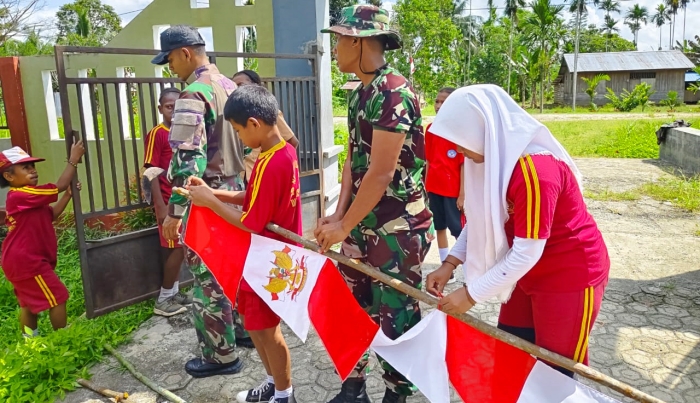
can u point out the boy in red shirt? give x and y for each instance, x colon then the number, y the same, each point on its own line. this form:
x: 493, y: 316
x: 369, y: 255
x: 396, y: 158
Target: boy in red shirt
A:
x: 29, y: 250
x: 158, y: 154
x: 444, y: 183
x: 273, y: 196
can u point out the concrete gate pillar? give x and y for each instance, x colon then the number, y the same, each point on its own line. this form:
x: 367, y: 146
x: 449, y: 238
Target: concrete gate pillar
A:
x: 297, y: 29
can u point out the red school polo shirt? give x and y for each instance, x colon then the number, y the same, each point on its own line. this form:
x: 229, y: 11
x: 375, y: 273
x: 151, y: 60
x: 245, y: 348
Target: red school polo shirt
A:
x: 159, y: 154
x: 444, y: 165
x: 273, y: 194
x: 30, y: 246
x: 545, y: 202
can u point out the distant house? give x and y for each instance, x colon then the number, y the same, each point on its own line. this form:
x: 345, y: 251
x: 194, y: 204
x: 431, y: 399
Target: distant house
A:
x: 663, y: 70
x: 691, y: 78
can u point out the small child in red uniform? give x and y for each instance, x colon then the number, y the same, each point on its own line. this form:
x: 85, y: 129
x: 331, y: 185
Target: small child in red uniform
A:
x: 158, y: 154
x: 272, y: 196
x: 29, y: 250
x: 444, y: 183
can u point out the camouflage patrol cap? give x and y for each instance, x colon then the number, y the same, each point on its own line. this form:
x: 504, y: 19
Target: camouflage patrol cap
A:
x: 365, y: 21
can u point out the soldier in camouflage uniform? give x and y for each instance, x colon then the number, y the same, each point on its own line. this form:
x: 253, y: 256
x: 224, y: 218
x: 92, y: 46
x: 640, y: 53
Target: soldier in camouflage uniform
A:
x: 381, y: 216
x: 206, y: 146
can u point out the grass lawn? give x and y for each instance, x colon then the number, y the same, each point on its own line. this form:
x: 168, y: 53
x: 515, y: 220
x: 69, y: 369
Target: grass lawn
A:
x: 43, y: 368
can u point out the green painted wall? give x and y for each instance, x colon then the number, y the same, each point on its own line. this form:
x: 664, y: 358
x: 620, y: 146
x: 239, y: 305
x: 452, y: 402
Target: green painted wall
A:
x: 223, y: 16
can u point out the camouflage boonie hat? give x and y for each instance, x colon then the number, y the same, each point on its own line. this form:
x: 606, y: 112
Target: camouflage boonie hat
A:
x: 365, y: 21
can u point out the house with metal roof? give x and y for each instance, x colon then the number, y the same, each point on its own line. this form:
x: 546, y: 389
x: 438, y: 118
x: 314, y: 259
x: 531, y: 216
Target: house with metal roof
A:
x: 663, y: 70
x: 691, y: 78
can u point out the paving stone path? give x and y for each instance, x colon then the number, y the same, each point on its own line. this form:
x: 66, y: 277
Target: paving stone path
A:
x: 647, y: 334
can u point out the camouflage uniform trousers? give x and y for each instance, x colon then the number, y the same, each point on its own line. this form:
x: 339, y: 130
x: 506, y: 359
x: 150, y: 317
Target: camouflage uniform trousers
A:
x: 215, y: 321
x: 399, y: 255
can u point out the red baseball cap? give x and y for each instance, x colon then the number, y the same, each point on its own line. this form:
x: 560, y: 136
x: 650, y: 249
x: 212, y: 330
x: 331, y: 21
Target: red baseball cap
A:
x: 14, y: 156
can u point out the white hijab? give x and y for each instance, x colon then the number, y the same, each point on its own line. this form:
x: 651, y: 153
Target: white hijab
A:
x: 486, y: 120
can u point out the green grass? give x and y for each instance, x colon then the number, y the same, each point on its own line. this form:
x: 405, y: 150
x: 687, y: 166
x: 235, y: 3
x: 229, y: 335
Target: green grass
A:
x: 608, y: 195
x: 43, y: 368
x: 584, y: 109
x: 340, y: 132
x: 682, y: 192
x: 608, y: 138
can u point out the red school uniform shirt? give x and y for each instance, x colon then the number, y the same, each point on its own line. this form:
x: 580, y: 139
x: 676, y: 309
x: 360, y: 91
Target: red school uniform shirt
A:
x: 273, y: 194
x: 159, y: 154
x: 545, y: 202
x: 444, y: 165
x: 30, y: 246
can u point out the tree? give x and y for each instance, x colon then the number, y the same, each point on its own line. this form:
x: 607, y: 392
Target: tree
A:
x: 377, y: 3
x: 541, y: 31
x: 577, y: 7
x: 14, y: 17
x: 634, y: 18
x: 610, y: 25
x: 511, y: 11
x: 33, y: 45
x: 593, y: 40
x: 592, y: 86
x: 101, y: 20
x: 684, y: 5
x: 672, y: 6
x: 660, y: 18
x: 335, y: 7
x: 431, y: 38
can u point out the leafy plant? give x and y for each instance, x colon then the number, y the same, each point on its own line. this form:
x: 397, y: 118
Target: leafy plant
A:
x: 671, y: 102
x: 627, y: 100
x: 141, y: 218
x: 592, y: 88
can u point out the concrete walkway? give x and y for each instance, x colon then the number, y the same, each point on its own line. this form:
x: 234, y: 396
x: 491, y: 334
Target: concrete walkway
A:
x: 647, y: 334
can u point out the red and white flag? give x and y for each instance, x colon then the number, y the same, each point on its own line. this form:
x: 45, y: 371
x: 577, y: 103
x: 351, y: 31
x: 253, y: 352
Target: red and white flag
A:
x: 305, y: 288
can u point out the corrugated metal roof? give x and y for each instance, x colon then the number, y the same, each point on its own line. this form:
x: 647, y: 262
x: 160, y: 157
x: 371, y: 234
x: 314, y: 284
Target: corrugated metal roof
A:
x: 692, y: 77
x: 629, y: 61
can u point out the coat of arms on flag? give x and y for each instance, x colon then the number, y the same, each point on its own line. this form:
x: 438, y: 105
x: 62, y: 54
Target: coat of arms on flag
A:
x: 288, y: 277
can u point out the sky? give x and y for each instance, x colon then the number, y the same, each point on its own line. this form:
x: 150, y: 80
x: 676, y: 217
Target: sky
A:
x: 648, y: 35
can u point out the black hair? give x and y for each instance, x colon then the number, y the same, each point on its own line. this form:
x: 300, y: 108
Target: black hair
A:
x: 4, y: 182
x: 254, y: 77
x: 198, y: 50
x: 447, y: 90
x: 165, y: 92
x: 251, y: 101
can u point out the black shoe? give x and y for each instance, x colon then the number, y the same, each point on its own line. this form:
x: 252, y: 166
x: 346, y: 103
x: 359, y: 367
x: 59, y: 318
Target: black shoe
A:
x: 352, y: 391
x: 392, y: 397
x: 289, y: 399
x: 245, y: 342
x: 262, y: 393
x: 200, y: 369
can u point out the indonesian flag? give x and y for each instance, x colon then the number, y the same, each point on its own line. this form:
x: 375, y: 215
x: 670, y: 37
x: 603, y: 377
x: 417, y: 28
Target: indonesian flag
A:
x: 305, y: 288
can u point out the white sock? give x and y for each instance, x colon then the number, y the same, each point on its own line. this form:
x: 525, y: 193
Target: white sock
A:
x: 444, y: 252
x: 281, y: 394
x: 270, y: 380
x: 176, y: 287
x: 165, y: 294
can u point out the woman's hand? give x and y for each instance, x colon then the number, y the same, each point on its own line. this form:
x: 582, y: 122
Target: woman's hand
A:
x: 435, y: 282
x: 457, y: 302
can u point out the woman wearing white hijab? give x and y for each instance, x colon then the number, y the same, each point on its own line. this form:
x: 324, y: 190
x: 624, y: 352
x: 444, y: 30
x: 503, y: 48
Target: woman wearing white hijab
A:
x: 529, y: 239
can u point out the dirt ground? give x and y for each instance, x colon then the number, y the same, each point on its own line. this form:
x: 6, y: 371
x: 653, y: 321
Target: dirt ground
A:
x: 647, y: 333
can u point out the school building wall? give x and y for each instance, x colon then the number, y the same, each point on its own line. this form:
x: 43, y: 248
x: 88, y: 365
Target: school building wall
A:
x: 294, y: 26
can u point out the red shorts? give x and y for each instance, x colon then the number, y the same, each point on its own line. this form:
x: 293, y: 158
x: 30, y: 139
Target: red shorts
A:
x: 256, y: 314
x: 166, y: 243
x: 562, y: 321
x: 40, y: 292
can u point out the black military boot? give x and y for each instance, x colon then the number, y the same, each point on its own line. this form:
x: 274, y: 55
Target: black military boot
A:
x: 352, y: 391
x: 392, y: 397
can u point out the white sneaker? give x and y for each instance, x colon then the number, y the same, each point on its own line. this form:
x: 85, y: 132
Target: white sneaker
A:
x: 263, y: 393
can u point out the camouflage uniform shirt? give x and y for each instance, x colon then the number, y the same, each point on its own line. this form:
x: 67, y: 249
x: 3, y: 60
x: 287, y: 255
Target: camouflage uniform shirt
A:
x: 202, y: 157
x: 389, y: 104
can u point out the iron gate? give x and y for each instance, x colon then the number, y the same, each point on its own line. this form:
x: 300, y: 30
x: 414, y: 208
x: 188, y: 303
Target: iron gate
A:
x: 113, y: 115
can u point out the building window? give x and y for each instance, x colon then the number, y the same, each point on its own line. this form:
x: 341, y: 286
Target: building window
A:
x: 642, y: 75
x: 199, y: 3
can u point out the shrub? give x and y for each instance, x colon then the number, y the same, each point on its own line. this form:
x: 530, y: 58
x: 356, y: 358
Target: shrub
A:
x: 671, y: 102
x: 591, y: 90
x: 627, y: 100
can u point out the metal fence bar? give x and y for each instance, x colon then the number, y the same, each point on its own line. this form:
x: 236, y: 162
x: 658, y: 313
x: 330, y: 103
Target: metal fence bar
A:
x: 153, y: 52
x: 154, y: 113
x: 134, y: 142
x: 83, y: 131
x: 307, y: 113
x: 122, y: 143
x: 110, y: 143
x: 98, y: 144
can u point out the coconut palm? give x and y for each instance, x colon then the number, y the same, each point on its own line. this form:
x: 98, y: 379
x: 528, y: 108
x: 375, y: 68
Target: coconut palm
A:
x: 635, y: 17
x: 610, y: 6
x: 577, y: 7
x: 542, y: 29
x: 660, y: 18
x: 511, y: 11
x: 672, y: 6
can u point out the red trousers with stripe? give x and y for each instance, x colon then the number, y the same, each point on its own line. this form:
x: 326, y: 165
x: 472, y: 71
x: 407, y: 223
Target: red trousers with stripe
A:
x: 558, y: 322
x: 41, y: 292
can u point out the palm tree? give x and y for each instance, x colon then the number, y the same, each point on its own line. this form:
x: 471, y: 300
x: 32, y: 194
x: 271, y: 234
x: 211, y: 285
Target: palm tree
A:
x: 660, y: 18
x: 83, y: 26
x: 672, y: 6
x: 541, y: 32
x: 634, y: 18
x: 577, y: 7
x: 610, y: 6
x: 684, y: 5
x: 511, y: 11
x: 610, y: 26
